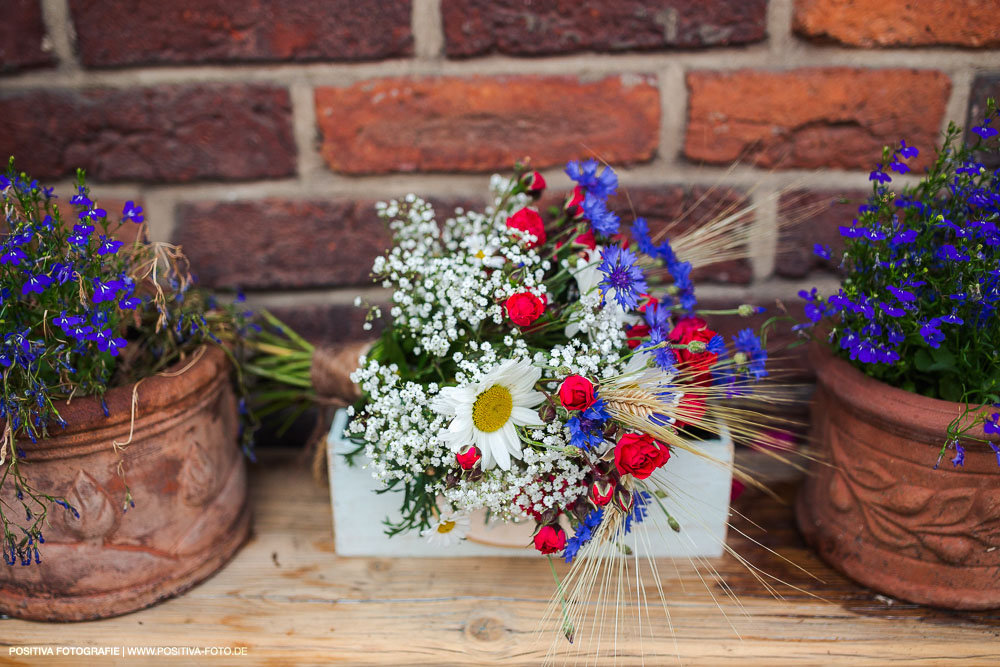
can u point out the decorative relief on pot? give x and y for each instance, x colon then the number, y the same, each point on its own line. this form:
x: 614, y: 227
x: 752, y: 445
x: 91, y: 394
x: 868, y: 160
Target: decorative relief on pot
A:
x: 948, y: 524
x: 199, y: 477
x: 97, y: 515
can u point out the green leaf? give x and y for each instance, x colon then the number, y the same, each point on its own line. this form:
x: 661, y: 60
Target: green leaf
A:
x: 950, y: 388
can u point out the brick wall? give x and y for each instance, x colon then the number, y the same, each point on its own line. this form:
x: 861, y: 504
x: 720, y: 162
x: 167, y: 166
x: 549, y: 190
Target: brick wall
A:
x: 259, y: 133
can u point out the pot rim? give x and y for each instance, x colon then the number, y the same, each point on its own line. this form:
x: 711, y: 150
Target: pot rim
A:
x: 894, y: 405
x: 188, y: 377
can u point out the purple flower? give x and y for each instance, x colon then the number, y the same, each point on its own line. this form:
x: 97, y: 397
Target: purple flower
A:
x: 880, y: 176
x: 80, y: 199
x: 959, y: 459
x: 901, y: 294
x: 36, y: 284
x: 747, y: 343
x: 602, y: 221
x: 905, y: 236
x: 601, y: 185
x: 931, y: 334
x: 93, y: 213
x: 640, y: 232
x: 992, y: 424
x: 13, y: 256
x: 899, y: 167
x: 950, y: 253
x: 106, y: 291
x: 65, y: 321
x: 109, y: 246
x: 113, y: 346
x: 822, y: 250
x: 622, y: 275
x: 985, y: 131
x: 132, y: 212
x: 907, y: 151
x: 130, y: 303
x: 664, y: 355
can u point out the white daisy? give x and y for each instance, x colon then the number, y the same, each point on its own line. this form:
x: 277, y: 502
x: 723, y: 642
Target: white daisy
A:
x: 450, y: 529
x: 486, y: 412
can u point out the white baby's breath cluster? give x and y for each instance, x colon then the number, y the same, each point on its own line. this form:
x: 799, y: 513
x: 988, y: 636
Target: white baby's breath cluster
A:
x: 450, y: 280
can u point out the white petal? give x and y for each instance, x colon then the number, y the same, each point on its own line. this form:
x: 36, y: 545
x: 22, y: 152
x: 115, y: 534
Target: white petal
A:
x: 499, y: 447
x: 524, y: 416
x: 511, y: 441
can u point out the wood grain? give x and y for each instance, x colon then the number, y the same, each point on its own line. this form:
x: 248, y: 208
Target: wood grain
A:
x: 289, y: 599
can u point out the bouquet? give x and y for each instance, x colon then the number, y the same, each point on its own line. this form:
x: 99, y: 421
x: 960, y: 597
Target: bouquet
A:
x: 917, y: 306
x: 87, y: 303
x: 546, y: 369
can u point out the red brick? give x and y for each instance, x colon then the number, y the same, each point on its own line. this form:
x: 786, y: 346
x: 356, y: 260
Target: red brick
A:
x: 284, y: 243
x: 22, y: 37
x: 527, y: 28
x: 868, y: 23
x: 690, y: 207
x: 825, y: 117
x: 200, y: 31
x: 485, y: 123
x: 163, y: 134
x: 813, y: 217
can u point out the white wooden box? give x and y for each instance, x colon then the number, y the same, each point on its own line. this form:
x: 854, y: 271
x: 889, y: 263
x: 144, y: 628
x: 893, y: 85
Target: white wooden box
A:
x: 699, y: 502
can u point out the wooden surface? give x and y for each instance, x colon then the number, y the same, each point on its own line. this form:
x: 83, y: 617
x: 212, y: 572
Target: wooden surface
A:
x: 289, y: 599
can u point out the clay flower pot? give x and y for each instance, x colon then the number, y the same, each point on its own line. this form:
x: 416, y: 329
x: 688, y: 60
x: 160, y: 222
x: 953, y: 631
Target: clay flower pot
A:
x: 881, y: 513
x: 187, y: 476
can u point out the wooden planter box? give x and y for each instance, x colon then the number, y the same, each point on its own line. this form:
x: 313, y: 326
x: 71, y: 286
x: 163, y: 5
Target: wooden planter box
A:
x: 700, y: 505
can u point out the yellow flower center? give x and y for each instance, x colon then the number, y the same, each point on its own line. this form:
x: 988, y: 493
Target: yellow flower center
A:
x: 480, y: 254
x: 446, y: 527
x: 492, y: 409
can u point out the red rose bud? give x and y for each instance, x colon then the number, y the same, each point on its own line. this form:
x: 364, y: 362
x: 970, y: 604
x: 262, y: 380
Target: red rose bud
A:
x: 586, y: 239
x: 523, y: 308
x: 634, y: 335
x: 468, y: 458
x: 576, y: 393
x: 550, y: 539
x: 602, y: 492
x: 638, y: 454
x: 529, y: 221
x: 624, y: 500
x: 533, y: 182
x: 572, y: 205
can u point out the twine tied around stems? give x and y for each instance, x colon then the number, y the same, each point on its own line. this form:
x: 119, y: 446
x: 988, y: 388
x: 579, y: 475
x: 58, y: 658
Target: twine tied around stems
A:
x: 330, y: 375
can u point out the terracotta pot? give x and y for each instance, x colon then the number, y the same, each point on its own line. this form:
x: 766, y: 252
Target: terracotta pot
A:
x: 881, y: 513
x: 188, y: 478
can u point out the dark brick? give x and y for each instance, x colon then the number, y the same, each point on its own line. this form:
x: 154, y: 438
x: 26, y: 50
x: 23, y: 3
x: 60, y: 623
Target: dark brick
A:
x: 983, y: 87
x: 808, y: 218
x: 837, y: 117
x: 689, y: 207
x: 22, y: 36
x: 162, y: 134
x: 531, y: 28
x: 201, y: 31
x: 484, y: 123
x: 333, y: 323
x: 284, y: 243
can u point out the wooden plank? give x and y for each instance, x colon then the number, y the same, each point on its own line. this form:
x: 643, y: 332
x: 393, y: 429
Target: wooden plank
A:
x: 288, y: 598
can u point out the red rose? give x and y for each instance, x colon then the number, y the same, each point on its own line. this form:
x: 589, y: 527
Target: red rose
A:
x: 550, y: 539
x: 468, y: 457
x: 523, y: 308
x: 586, y: 239
x: 573, y: 202
x: 634, y: 335
x: 576, y: 393
x: 637, y: 454
x: 691, y: 409
x: 687, y: 330
x: 533, y: 182
x: 529, y: 221
x: 602, y: 493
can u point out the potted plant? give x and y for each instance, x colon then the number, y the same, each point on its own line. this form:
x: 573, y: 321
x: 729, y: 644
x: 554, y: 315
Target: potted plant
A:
x: 908, y: 397
x: 121, y: 477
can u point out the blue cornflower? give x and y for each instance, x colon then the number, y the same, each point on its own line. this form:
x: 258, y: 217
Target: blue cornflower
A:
x: 36, y: 284
x: 622, y: 275
x: 602, y: 221
x: 684, y: 286
x: 109, y: 246
x: 602, y: 185
x: 587, y: 429
x: 584, y: 533
x: 132, y: 212
x: 13, y: 256
x: 749, y: 344
x: 663, y: 355
x: 640, y: 502
x: 822, y: 250
x: 640, y: 232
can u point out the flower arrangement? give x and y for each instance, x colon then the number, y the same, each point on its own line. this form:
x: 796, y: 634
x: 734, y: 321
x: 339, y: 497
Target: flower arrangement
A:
x: 87, y: 303
x: 545, y: 368
x: 918, y: 304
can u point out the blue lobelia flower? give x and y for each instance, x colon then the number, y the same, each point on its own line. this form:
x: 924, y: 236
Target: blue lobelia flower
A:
x: 13, y: 256
x: 109, y: 246
x: 931, y: 334
x: 907, y: 151
x: 132, y: 212
x: 959, y: 459
x: 948, y: 252
x: 879, y: 175
x: 822, y: 250
x: 623, y: 275
x: 106, y: 291
x: 35, y: 284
